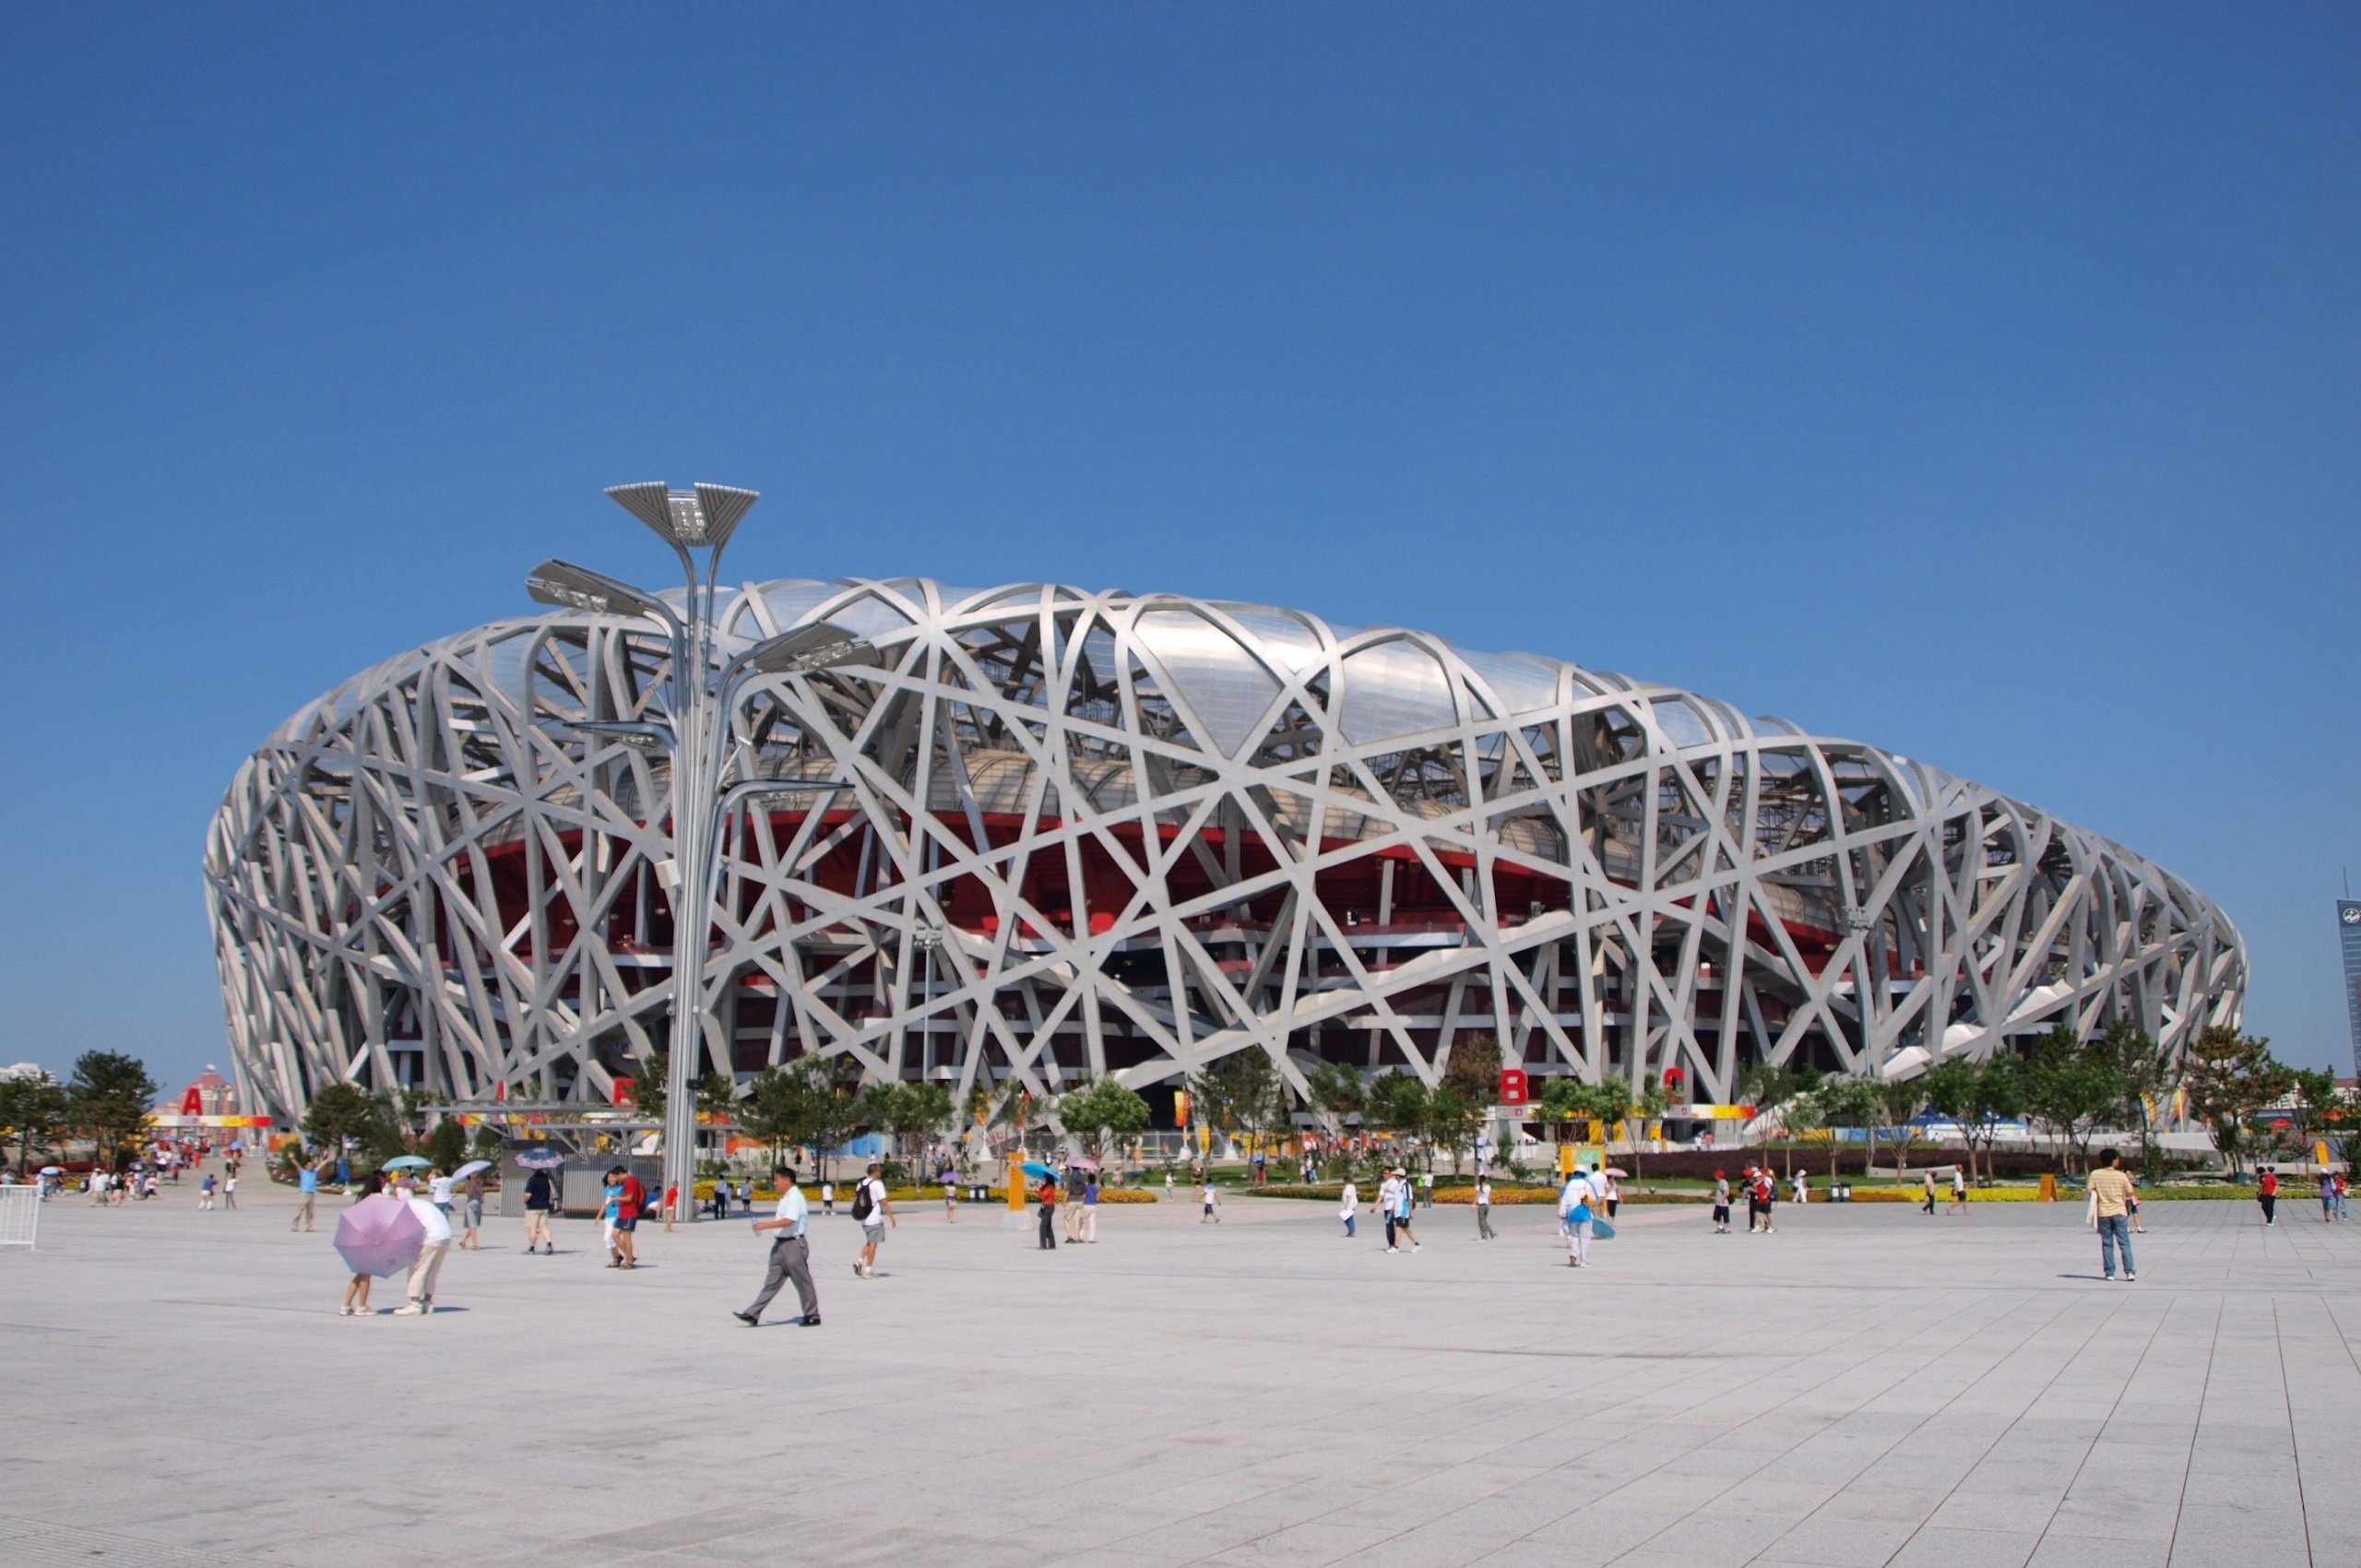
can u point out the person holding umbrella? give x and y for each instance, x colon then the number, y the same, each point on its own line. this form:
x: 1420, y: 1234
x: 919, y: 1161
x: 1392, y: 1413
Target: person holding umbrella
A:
x: 428, y: 1266
x: 356, y: 1240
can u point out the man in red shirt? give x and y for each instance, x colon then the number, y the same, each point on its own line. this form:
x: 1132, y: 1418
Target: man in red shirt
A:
x: 628, y: 1212
x: 2266, y: 1194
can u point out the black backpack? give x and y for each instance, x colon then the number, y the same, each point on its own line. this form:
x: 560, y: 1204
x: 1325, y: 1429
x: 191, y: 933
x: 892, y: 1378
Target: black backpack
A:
x: 863, y: 1202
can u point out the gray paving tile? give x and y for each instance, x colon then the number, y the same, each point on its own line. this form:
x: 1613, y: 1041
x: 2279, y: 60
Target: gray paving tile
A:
x: 1854, y: 1391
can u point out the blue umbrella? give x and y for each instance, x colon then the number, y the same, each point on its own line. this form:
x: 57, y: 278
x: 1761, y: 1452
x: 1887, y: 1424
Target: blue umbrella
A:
x: 541, y: 1159
x: 407, y: 1162
x: 1035, y: 1168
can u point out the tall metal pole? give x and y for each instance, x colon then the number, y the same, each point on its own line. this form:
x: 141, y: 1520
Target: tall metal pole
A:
x: 698, y: 736
x: 691, y: 893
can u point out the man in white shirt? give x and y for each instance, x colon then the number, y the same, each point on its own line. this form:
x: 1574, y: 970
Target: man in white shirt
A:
x: 429, y: 1266
x: 790, y: 1255
x: 871, y: 1206
x: 1578, y: 1202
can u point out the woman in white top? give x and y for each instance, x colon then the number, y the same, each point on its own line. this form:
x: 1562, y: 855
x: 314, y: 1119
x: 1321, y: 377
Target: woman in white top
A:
x: 1352, y: 1201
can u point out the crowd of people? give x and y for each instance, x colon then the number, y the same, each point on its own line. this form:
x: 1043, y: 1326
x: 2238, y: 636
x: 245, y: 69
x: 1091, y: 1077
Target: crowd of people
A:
x: 450, y: 1213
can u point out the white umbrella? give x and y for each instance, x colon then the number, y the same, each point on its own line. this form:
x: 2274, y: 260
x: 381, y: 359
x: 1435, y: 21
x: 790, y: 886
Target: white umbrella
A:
x: 469, y: 1169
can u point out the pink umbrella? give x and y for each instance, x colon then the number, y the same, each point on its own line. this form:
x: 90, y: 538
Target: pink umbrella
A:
x: 379, y: 1235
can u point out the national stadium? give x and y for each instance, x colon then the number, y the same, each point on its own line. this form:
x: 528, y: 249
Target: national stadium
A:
x: 1052, y: 834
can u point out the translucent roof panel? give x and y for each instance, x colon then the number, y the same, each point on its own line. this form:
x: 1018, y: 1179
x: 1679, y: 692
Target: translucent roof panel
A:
x: 1225, y: 687
x: 1522, y: 682
x: 1284, y: 639
x: 1392, y: 689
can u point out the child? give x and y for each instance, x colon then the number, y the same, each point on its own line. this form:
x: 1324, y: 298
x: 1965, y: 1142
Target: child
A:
x: 1213, y: 1203
x: 1721, y: 1203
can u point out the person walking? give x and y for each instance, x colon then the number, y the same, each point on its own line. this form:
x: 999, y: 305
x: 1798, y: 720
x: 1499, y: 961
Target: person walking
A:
x: 1405, y: 1196
x: 2341, y: 1213
x: 951, y: 1197
x: 1483, y: 1208
x: 875, y: 1211
x: 1803, y: 1186
x: 204, y: 1190
x: 1389, y: 1195
x: 1769, y: 1187
x: 827, y: 1200
x: 2327, y: 1199
x: 1212, y: 1201
x: 1959, y: 1191
x: 1614, y: 1195
x: 1347, y: 1206
x: 1721, y: 1203
x: 2266, y: 1192
x: 671, y: 1205
x: 429, y: 1266
x: 307, y: 1194
x: 1048, y: 1197
x: 1089, y: 1235
x: 2110, y: 1193
x: 438, y: 1192
x: 1578, y: 1202
x: 472, y: 1214
x: 790, y: 1254
x: 541, y: 1196
x: 1926, y: 1204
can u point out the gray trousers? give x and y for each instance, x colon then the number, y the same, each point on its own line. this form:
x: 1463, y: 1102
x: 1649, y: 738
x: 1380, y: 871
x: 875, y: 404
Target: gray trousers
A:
x: 791, y: 1259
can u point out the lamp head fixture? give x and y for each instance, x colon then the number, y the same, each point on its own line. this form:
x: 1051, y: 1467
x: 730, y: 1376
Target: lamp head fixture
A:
x: 703, y: 516
x: 577, y: 587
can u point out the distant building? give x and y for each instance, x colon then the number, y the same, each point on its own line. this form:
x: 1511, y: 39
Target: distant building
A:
x: 2348, y: 930
x: 209, y: 1094
x: 24, y: 1070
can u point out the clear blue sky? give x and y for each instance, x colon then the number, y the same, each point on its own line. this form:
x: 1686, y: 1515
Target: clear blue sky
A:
x: 1976, y: 381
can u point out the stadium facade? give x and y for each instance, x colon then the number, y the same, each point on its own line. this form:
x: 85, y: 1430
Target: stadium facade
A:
x: 1055, y: 833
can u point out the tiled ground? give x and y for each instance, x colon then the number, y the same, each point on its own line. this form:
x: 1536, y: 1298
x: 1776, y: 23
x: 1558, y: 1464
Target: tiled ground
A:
x: 1869, y: 1387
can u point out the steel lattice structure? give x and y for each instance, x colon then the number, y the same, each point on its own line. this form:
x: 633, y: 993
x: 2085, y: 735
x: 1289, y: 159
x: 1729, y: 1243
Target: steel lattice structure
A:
x: 1059, y: 833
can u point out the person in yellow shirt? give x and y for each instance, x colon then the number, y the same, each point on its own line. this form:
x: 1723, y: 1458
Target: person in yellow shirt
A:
x: 2111, y: 1198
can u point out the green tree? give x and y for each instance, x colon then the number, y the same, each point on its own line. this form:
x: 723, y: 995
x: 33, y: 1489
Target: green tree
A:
x: 1101, y: 1113
x: 1979, y: 1097
x: 339, y: 1114
x: 1801, y: 1112
x: 1337, y: 1092
x: 1847, y: 1101
x: 813, y: 1104
x: 908, y: 1111
x: 651, y: 1084
x: 108, y: 1101
x: 1899, y: 1103
x: 2071, y: 1087
x: 2144, y: 1070
x: 1653, y: 1100
x: 1399, y: 1102
x: 32, y: 1112
x: 2316, y: 1096
x: 1240, y: 1093
x: 1472, y: 1070
x: 1452, y: 1123
x: 446, y: 1145
x: 2228, y: 1076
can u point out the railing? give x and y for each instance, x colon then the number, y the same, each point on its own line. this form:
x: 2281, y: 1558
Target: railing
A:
x: 19, y: 1216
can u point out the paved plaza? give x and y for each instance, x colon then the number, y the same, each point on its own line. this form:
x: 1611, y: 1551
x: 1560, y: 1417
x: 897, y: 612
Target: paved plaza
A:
x: 1869, y: 1387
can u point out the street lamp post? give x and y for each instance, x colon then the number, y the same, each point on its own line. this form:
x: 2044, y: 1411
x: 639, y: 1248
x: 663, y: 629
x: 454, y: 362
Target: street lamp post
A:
x: 699, y: 700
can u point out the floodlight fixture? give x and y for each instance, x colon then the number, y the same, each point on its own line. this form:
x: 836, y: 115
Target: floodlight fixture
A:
x: 699, y: 517
x: 577, y: 587
x: 819, y: 646
x: 640, y: 735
